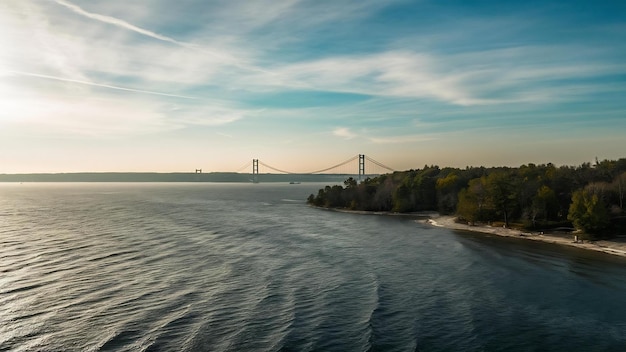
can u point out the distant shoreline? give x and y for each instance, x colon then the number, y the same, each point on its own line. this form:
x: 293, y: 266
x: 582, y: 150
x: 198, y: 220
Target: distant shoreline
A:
x: 614, y: 247
x: 168, y: 177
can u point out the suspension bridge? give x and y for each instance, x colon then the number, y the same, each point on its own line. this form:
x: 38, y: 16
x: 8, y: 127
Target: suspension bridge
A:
x: 354, y: 166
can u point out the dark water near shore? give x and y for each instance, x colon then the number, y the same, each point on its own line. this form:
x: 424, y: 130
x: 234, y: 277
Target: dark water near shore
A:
x: 243, y: 267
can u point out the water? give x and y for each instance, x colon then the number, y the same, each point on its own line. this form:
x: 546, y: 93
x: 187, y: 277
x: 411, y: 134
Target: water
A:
x: 242, y: 267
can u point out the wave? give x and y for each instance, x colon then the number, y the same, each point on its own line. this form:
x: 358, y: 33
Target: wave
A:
x: 194, y: 271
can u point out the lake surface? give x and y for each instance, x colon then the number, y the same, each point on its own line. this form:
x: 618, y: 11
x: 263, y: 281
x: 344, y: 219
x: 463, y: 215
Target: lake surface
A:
x: 250, y: 267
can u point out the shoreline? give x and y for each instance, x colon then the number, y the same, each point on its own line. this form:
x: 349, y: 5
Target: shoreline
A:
x: 615, y: 247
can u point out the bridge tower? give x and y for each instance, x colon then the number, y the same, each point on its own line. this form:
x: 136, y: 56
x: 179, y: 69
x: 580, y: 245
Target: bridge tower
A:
x: 361, y: 166
x: 255, y: 170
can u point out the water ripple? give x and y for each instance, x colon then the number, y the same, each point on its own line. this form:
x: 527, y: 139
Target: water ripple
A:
x: 234, y: 268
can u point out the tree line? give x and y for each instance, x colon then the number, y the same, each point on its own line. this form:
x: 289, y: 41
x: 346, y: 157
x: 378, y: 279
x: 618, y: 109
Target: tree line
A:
x: 587, y: 197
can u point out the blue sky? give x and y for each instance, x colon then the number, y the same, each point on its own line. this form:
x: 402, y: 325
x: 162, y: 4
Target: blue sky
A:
x: 302, y: 85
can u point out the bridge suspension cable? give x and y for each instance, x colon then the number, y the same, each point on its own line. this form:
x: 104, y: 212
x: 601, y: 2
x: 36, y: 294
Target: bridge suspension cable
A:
x: 275, y: 169
x: 379, y: 164
x: 246, y: 166
x: 335, y: 166
x: 311, y: 172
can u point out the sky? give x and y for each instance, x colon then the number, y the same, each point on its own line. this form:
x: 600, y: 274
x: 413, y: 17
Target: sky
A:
x: 172, y: 86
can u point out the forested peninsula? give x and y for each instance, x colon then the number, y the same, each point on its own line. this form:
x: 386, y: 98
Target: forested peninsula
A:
x: 588, y: 197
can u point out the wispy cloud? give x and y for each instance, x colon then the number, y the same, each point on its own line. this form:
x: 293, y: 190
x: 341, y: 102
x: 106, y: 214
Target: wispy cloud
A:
x: 344, y: 132
x: 282, y: 17
x: 94, y: 84
x: 205, y: 114
x: 105, y: 117
x: 480, y: 78
x: 117, y: 22
x: 62, y: 117
x: 224, y: 57
x: 224, y: 134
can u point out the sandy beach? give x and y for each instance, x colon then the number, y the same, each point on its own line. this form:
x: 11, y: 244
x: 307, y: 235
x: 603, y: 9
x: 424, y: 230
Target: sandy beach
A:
x: 614, y: 247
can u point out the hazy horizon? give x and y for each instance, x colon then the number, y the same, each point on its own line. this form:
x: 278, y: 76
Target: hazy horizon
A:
x: 302, y: 85
x: 248, y: 170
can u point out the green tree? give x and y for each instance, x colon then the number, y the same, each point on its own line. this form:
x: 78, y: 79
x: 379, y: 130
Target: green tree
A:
x: 588, y: 212
x: 447, y: 192
x: 403, y: 199
x: 619, y: 185
x: 350, y: 182
x: 468, y: 207
x: 501, y: 193
x: 473, y: 201
x: 544, y: 204
x: 382, y: 198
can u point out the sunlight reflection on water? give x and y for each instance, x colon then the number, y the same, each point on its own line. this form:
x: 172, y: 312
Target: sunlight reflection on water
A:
x: 237, y: 267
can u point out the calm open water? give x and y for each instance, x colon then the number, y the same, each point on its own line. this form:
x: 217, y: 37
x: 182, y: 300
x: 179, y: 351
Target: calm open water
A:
x: 243, y: 267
